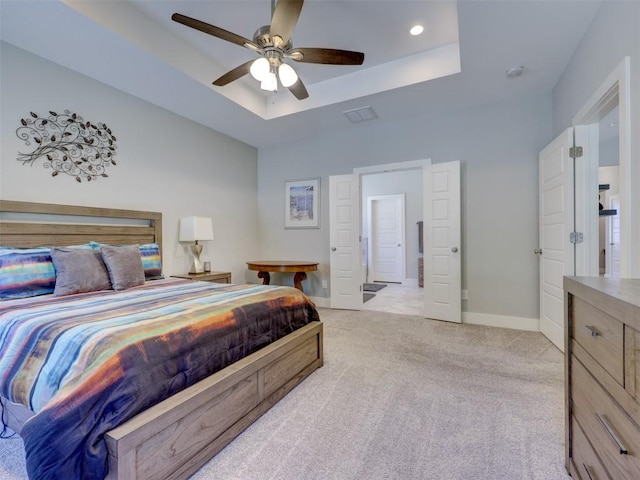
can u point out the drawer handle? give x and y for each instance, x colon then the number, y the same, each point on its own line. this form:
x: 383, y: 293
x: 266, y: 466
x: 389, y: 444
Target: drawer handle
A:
x: 586, y: 469
x: 612, y: 433
x: 593, y: 331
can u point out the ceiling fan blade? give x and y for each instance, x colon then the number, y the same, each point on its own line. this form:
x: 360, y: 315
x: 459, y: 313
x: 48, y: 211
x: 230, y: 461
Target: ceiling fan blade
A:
x: 284, y: 20
x: 299, y: 90
x: 234, y: 74
x: 326, y: 56
x: 215, y: 31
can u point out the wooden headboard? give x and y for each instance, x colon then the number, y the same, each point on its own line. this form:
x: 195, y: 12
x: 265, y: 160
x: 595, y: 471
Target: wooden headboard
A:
x: 27, y: 224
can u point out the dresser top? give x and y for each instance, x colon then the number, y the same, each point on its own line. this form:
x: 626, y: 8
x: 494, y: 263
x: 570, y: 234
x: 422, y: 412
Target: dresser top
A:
x: 621, y: 294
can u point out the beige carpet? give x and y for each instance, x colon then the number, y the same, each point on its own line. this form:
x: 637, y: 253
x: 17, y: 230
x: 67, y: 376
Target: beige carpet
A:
x: 404, y: 398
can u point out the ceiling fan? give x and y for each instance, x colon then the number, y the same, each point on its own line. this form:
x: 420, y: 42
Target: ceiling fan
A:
x: 273, y: 44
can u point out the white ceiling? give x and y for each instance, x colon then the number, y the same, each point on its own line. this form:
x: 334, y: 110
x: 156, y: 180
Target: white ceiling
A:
x: 458, y: 63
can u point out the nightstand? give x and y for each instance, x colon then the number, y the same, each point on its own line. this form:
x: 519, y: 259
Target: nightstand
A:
x: 215, y: 277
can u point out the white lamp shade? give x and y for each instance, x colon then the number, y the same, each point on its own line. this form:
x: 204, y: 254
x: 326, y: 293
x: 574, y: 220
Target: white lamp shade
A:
x: 287, y: 74
x: 270, y: 82
x: 260, y: 68
x: 195, y: 228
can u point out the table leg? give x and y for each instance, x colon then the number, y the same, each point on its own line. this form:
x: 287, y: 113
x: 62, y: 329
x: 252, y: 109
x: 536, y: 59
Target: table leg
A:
x: 297, y: 280
x: 266, y: 278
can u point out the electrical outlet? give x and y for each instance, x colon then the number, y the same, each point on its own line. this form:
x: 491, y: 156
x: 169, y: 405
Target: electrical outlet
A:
x: 465, y: 295
x: 324, y: 284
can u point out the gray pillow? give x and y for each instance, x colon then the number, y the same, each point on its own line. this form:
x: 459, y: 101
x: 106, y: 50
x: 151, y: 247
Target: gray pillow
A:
x: 124, y: 265
x: 78, y: 271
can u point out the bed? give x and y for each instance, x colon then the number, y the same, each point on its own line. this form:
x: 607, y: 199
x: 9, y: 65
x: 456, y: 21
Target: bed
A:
x: 175, y: 437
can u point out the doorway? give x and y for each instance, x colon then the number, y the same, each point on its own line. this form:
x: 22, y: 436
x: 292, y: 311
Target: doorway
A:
x: 609, y: 195
x: 569, y: 186
x: 442, y: 235
x: 392, y: 206
x: 610, y: 104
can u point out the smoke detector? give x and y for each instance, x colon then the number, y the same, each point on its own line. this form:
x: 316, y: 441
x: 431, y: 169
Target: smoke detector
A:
x: 514, y: 72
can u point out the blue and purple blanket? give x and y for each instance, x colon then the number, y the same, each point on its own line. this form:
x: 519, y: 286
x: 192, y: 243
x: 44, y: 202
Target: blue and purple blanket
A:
x: 87, y: 363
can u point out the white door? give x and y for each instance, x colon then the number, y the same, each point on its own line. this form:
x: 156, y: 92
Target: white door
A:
x: 613, y: 259
x: 557, y: 258
x: 442, y: 249
x: 386, y: 224
x: 344, y: 240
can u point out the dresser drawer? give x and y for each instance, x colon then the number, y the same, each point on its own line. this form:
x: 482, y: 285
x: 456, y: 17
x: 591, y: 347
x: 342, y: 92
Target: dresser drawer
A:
x: 608, y: 428
x: 585, y: 460
x: 601, y: 335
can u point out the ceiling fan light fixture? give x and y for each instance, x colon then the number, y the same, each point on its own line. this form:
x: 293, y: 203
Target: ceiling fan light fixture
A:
x: 269, y: 82
x: 260, y: 69
x: 288, y: 76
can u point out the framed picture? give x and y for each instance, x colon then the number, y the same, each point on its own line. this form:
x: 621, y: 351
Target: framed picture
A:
x: 301, y: 203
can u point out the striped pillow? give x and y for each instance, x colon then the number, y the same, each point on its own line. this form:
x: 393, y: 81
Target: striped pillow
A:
x: 26, y: 272
x: 151, y: 261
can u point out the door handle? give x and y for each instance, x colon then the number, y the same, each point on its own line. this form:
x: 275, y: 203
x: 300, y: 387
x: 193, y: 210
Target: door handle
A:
x: 333, y: 249
x: 454, y: 249
x: 538, y: 251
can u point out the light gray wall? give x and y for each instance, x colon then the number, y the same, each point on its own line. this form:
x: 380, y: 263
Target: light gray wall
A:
x: 166, y: 163
x: 498, y: 148
x: 409, y: 183
x: 614, y: 34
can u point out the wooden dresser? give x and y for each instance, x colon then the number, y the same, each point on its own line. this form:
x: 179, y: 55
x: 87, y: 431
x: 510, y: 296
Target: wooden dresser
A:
x: 602, y: 378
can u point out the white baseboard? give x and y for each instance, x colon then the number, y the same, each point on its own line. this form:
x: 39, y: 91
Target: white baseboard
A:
x: 502, y: 321
x: 323, y: 302
x: 411, y: 282
x: 553, y: 332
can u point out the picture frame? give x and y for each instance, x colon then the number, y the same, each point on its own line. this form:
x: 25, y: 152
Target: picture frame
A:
x: 302, y: 203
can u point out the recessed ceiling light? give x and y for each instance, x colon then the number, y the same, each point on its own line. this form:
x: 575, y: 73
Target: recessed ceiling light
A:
x: 416, y: 30
x: 514, y: 71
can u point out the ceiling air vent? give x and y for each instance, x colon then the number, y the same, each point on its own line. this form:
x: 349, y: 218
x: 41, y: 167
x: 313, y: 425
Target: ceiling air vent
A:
x: 362, y: 114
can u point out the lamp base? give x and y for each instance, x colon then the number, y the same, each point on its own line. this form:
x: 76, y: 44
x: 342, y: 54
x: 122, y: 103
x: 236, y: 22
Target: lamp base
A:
x: 196, y: 266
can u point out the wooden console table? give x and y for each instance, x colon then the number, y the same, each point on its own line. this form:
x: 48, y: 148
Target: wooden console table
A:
x: 299, y: 268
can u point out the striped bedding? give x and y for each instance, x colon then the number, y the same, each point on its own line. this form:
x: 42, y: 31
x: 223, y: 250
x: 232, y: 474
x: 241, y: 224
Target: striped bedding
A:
x: 86, y: 363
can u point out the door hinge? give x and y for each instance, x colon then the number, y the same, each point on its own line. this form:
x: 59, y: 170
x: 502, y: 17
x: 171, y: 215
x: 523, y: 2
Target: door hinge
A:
x: 576, y: 237
x: 575, y: 152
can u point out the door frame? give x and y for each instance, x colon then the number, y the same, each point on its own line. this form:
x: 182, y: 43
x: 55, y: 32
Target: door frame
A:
x: 420, y: 165
x: 609, y: 259
x: 403, y: 260
x: 615, y: 88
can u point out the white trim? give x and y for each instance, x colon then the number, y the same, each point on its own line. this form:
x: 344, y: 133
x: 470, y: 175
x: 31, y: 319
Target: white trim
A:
x: 410, y: 282
x: 322, y: 302
x: 392, y: 167
x: 501, y: 321
x: 616, y: 88
x: 585, y: 190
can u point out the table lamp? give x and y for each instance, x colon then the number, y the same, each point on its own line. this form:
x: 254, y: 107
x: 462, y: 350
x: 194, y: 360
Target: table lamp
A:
x: 195, y: 229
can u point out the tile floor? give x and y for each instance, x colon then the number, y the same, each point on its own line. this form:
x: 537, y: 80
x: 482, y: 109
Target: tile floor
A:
x: 396, y: 298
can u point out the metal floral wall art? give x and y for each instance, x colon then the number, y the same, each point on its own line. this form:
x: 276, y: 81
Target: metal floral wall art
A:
x: 71, y: 145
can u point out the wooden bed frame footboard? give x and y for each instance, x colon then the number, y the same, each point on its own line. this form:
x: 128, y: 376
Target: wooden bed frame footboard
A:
x: 175, y: 438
